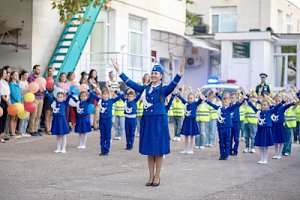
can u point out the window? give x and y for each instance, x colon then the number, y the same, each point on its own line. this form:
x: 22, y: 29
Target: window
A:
x: 223, y: 19
x: 279, y: 21
x: 135, y: 41
x: 241, y: 49
x: 289, y: 25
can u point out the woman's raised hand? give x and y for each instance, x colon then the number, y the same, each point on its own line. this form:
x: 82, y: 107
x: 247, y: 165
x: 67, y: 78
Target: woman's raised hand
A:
x: 115, y: 64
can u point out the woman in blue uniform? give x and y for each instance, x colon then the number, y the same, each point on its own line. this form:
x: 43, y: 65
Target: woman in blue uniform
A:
x: 83, y: 124
x: 189, y: 127
x: 154, y: 131
x: 60, y: 126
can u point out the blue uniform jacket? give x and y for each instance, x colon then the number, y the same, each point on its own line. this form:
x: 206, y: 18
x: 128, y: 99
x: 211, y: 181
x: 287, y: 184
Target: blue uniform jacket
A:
x: 82, y: 106
x: 278, y: 116
x: 130, y: 106
x: 15, y: 93
x: 168, y: 106
x: 224, y: 114
x: 151, y: 101
x: 190, y: 109
x: 105, y: 105
x: 59, y: 108
x: 235, y: 115
x: 264, y: 119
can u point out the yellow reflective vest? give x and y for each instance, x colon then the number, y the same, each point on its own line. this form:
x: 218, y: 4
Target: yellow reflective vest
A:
x: 213, y: 113
x: 242, y: 112
x: 298, y: 113
x: 250, y: 116
x: 119, y: 108
x: 290, y: 117
x: 178, y: 108
x: 203, y: 113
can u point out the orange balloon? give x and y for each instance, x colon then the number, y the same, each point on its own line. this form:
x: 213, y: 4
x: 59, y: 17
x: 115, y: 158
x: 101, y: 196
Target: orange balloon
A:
x: 12, y: 109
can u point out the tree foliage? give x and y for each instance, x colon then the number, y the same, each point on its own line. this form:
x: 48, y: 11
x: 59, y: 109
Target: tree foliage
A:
x: 191, y: 18
x: 68, y: 8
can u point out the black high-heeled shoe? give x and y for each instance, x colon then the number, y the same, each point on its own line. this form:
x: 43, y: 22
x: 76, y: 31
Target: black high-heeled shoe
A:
x: 149, y: 184
x: 156, y: 184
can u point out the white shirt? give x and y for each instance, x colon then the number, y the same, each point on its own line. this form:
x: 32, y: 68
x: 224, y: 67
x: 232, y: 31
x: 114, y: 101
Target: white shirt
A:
x: 24, y: 86
x: 4, y: 88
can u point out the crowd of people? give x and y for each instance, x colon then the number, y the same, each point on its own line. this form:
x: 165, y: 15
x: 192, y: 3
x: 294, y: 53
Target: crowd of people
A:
x: 146, y: 110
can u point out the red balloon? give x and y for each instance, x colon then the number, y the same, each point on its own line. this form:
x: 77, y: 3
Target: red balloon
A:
x: 33, y: 87
x: 12, y: 109
x: 30, y: 107
x: 49, y: 82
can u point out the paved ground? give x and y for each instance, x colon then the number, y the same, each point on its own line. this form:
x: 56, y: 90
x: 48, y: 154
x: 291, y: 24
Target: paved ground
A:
x: 30, y: 170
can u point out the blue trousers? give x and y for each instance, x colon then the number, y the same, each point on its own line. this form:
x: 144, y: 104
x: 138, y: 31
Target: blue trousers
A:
x: 235, y: 136
x: 177, y: 125
x: 287, y: 148
x: 130, y: 124
x: 119, y: 126
x: 105, y: 134
x: 224, y: 141
x: 250, y: 132
x: 242, y: 128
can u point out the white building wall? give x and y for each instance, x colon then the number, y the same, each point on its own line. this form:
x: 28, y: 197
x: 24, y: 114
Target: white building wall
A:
x: 46, y: 32
x: 17, y: 13
x: 253, y: 14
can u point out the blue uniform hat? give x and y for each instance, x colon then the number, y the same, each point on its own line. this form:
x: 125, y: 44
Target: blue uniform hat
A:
x: 158, y: 68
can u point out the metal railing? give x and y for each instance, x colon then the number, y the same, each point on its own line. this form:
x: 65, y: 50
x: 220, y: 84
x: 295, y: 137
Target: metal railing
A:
x: 134, y: 65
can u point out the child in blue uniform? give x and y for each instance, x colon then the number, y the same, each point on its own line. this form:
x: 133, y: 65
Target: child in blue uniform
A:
x: 189, y: 127
x: 105, y: 122
x: 224, y: 123
x: 278, y: 132
x: 60, y: 126
x: 83, y: 124
x: 130, y: 116
x: 263, y: 137
x: 154, y: 131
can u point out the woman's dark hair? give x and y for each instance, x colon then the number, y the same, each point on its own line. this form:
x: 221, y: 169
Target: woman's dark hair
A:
x: 35, y: 66
x: 70, y: 74
x: 63, y: 73
x: 2, y: 72
x: 11, y: 75
x: 90, y: 74
x: 22, y: 72
x: 82, y: 77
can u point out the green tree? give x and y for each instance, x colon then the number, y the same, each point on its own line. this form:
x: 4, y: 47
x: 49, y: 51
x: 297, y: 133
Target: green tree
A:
x: 191, y: 18
x: 68, y: 8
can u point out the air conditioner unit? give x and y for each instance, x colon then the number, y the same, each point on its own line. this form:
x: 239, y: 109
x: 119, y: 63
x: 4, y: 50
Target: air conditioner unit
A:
x: 193, y: 61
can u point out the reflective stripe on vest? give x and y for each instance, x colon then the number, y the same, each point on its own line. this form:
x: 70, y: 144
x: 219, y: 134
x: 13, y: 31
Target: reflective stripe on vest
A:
x: 203, y: 113
x: 119, y: 108
x: 250, y: 116
x: 298, y: 113
x: 139, y: 108
x: 178, y: 110
x: 290, y: 118
x: 242, y: 113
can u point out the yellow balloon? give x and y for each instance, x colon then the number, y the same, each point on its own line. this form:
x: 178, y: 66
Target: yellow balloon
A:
x: 23, y: 115
x: 20, y: 107
x: 29, y: 97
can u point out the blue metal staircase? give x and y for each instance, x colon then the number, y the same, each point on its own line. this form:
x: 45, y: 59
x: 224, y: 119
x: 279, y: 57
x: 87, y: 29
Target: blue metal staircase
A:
x: 73, y: 39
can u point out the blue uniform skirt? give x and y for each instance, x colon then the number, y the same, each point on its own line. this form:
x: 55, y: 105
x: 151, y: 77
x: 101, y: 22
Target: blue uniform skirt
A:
x: 278, y: 133
x: 189, y: 127
x: 263, y: 137
x: 83, y: 124
x: 154, y: 135
x: 59, y: 125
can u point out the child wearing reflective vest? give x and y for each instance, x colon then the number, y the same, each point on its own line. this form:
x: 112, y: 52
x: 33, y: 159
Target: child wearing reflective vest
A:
x: 189, y: 127
x: 119, y: 118
x: 212, y: 130
x: 242, y: 120
x: 289, y: 128
x: 250, y: 126
x: 203, y: 117
x: 264, y: 138
x: 139, y: 114
x: 178, y: 113
x: 224, y: 122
